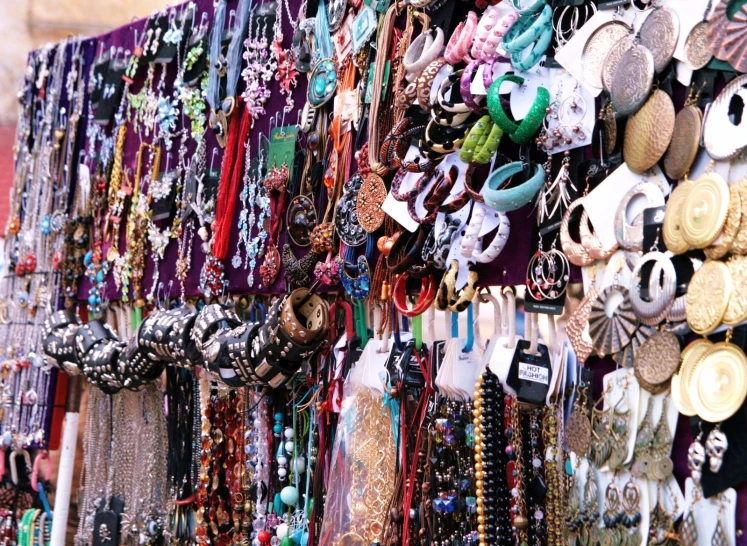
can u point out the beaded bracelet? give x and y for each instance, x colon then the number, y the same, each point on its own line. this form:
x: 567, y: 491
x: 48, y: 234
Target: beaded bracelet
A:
x: 527, y: 30
x: 514, y: 198
x: 457, y: 50
x: 521, y: 132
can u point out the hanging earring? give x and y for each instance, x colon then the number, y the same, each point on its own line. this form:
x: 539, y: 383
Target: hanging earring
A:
x: 643, y: 440
x: 719, y: 537
x: 661, y: 466
x: 688, y: 531
x: 715, y: 447
x: 156, y: 41
x: 612, y: 510
x: 631, y: 497
x: 696, y: 458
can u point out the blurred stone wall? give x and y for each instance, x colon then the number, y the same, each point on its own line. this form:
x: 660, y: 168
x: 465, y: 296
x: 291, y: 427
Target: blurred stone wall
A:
x: 26, y: 24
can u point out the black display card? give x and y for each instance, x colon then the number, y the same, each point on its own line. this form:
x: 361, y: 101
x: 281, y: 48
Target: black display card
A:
x: 530, y: 374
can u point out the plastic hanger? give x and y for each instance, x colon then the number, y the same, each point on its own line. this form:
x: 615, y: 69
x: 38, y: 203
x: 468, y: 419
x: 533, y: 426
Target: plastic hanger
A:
x: 14, y: 465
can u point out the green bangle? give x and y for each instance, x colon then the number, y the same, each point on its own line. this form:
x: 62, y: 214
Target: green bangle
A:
x: 475, y: 138
x: 522, y: 132
x: 487, y: 151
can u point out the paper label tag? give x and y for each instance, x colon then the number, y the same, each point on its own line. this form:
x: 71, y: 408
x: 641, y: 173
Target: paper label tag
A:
x: 524, y: 95
x: 531, y: 372
x: 570, y: 55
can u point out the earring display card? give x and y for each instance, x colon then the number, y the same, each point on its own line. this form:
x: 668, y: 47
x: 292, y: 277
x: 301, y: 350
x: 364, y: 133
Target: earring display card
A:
x: 709, y: 511
x: 283, y: 148
x: 111, y: 94
x: 733, y: 470
x: 530, y: 374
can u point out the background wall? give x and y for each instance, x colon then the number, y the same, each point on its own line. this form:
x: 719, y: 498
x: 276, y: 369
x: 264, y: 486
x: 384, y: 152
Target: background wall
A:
x: 26, y: 24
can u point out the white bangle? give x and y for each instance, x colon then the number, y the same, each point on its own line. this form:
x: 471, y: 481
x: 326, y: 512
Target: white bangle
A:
x: 497, y: 244
x: 472, y: 233
x: 423, y: 50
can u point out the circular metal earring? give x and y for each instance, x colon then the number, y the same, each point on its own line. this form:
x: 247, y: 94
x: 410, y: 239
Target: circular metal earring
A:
x: 661, y: 288
x: 630, y: 235
x: 577, y: 253
x: 610, y: 334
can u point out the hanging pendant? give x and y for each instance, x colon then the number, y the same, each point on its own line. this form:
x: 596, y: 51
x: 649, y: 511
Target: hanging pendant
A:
x: 322, y: 83
x: 347, y: 225
x: 301, y: 219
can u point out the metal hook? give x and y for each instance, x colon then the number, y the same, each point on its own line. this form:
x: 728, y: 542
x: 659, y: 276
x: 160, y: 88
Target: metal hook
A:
x: 204, y: 19
x: 231, y: 18
x: 212, y: 159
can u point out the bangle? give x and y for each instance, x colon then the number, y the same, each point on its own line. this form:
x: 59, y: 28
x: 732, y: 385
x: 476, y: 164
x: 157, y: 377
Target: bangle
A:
x: 427, y: 295
x: 464, y: 86
x: 452, y: 82
x: 439, y: 192
x: 489, y: 147
x: 472, y: 233
x: 538, y: 50
x: 487, y: 23
x: 521, y: 132
x: 423, y: 51
x: 457, y: 50
x: 526, y: 30
x: 516, y: 197
x: 413, y: 254
x: 449, y: 138
x: 496, y: 245
x: 424, y: 83
x: 476, y: 138
x: 494, y: 39
x: 395, y: 145
x: 475, y: 195
x: 534, y: 8
x: 412, y: 193
x: 447, y: 119
x: 450, y: 298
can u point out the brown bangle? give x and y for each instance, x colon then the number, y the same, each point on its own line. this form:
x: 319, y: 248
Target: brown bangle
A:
x: 440, y: 190
x: 475, y: 195
x: 456, y: 300
x: 412, y: 255
x: 424, y: 83
x: 460, y: 200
